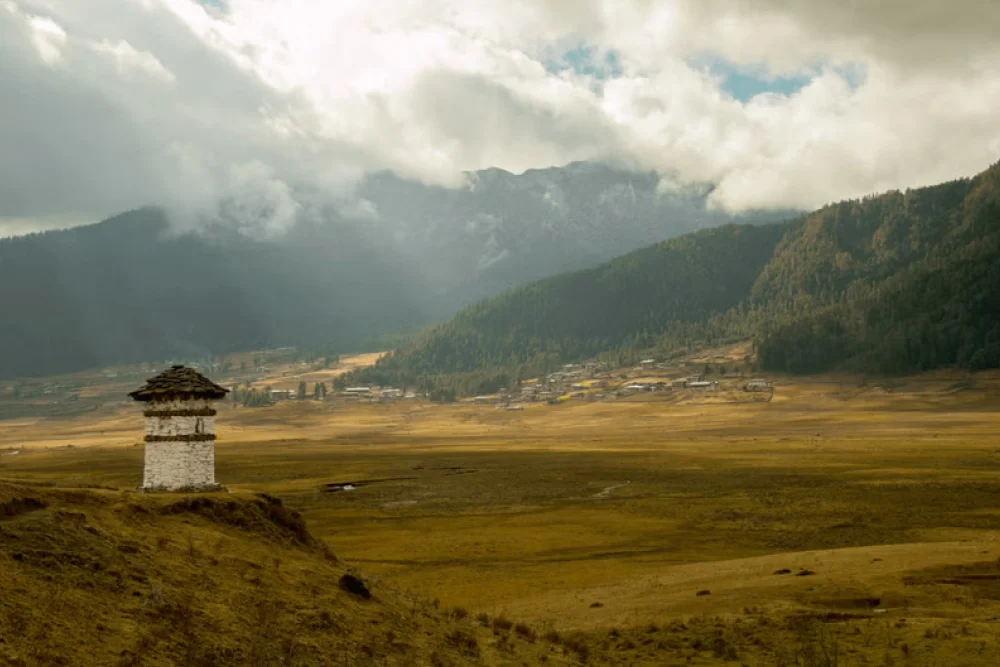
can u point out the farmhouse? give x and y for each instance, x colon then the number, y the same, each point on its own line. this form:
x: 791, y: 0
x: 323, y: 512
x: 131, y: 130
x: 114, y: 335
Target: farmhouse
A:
x: 703, y: 384
x: 180, y: 430
x: 757, y: 384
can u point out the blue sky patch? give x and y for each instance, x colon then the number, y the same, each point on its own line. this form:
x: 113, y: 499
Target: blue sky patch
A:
x: 744, y: 83
x: 586, y: 60
x: 853, y: 73
x: 743, y: 86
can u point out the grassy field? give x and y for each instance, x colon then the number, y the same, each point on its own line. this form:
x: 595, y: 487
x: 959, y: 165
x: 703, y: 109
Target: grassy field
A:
x: 649, y: 528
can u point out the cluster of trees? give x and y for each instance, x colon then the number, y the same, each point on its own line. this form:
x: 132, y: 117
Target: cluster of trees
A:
x: 250, y: 397
x: 319, y: 391
x: 896, y: 283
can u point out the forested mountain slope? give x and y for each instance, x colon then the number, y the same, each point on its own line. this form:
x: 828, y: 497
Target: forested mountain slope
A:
x: 676, y: 286
x: 893, y: 283
x: 897, y: 283
x: 127, y: 290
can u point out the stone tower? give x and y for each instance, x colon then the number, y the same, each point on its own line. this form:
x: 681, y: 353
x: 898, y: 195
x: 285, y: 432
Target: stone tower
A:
x: 180, y: 430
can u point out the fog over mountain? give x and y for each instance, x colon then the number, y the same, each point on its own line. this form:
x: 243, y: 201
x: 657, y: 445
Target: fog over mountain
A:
x: 137, y: 288
x: 500, y: 229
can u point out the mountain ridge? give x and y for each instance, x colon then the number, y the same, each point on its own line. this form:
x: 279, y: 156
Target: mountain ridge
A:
x: 900, y: 282
x: 132, y: 288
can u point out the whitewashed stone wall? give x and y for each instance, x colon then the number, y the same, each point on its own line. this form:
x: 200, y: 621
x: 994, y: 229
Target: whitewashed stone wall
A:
x: 168, y: 426
x: 174, y: 465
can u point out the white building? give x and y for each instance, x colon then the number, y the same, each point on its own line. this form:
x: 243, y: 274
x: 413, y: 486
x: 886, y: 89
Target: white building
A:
x: 180, y: 430
x: 758, y: 385
x: 703, y: 384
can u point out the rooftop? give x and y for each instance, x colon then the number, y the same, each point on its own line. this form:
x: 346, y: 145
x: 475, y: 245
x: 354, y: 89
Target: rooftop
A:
x: 178, y: 381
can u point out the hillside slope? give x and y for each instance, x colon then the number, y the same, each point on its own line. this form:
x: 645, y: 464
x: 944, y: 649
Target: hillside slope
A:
x: 895, y: 283
x: 112, y: 578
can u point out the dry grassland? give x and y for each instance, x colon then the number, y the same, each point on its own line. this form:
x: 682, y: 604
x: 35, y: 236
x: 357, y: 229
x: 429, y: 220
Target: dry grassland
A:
x: 604, y: 521
x: 288, y: 376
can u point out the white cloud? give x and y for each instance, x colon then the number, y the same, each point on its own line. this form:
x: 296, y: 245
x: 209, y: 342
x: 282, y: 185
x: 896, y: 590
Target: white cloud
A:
x: 48, y: 38
x: 129, y: 61
x: 167, y: 101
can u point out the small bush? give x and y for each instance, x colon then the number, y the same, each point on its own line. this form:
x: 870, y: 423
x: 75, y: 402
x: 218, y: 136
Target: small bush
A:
x: 355, y: 586
x: 579, y: 647
x: 464, y: 642
x: 502, y: 623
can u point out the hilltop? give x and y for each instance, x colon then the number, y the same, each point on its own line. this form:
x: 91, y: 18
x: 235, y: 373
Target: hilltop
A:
x: 91, y: 577
x: 896, y: 283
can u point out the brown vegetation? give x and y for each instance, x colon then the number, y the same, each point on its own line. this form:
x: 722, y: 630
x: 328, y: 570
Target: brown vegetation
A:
x: 886, y: 492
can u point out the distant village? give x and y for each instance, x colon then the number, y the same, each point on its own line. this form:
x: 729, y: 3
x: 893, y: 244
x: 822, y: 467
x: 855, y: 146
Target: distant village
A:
x: 294, y: 379
x: 589, y: 381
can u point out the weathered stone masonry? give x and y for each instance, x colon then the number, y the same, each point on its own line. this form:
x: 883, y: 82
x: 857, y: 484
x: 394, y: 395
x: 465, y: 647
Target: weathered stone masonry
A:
x: 180, y: 431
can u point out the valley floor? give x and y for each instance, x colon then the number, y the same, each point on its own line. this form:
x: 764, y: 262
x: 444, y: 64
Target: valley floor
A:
x: 881, y: 500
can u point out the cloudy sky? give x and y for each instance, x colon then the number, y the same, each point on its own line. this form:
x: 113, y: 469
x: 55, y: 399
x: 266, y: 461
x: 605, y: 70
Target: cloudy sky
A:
x: 277, y: 104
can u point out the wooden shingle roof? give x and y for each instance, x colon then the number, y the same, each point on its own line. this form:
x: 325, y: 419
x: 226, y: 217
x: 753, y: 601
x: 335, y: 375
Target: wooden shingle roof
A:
x: 178, y: 382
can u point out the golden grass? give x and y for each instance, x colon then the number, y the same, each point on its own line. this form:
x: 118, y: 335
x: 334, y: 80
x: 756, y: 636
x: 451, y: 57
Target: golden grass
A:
x: 113, y: 578
x: 637, y: 505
